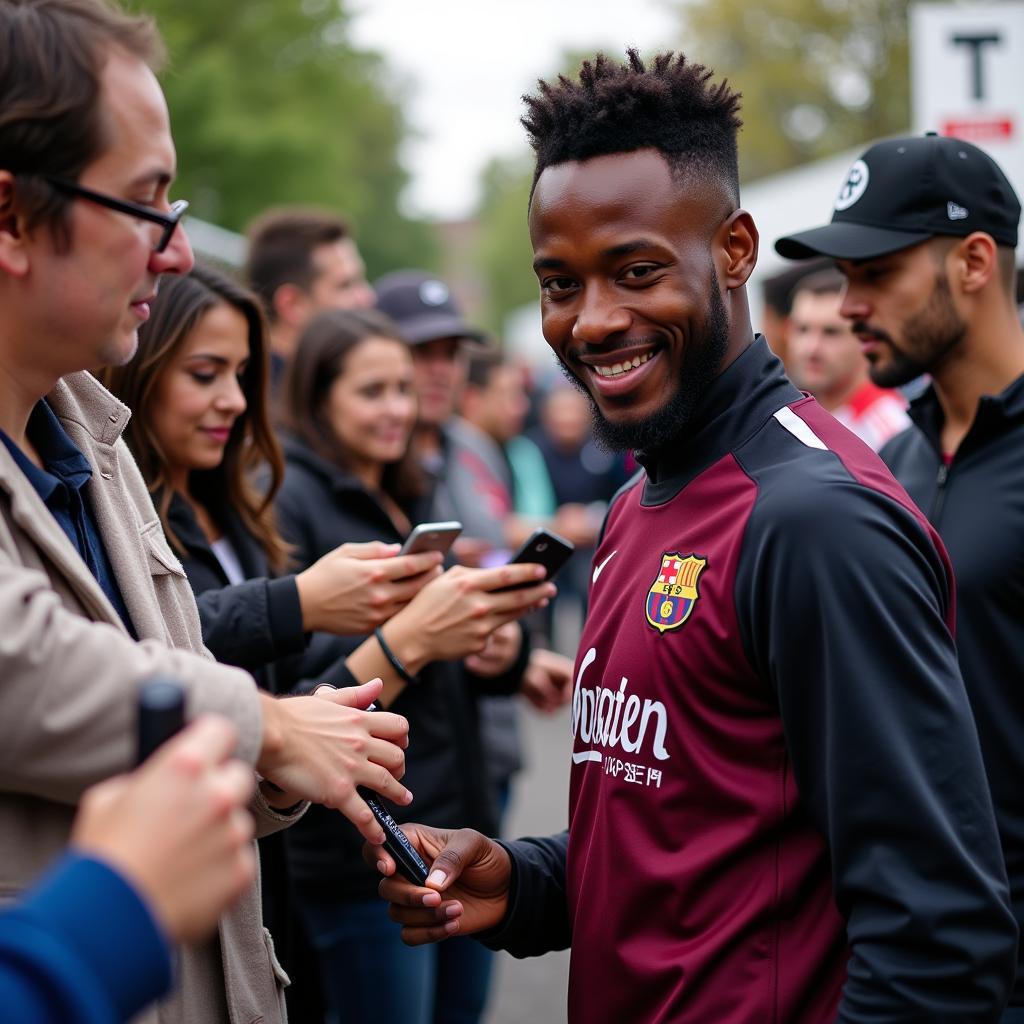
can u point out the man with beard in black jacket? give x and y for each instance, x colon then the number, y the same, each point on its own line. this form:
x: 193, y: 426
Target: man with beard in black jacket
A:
x: 933, y: 292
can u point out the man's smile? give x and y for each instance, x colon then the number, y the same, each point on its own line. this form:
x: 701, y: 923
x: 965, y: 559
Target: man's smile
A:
x: 617, y: 373
x: 618, y: 369
x: 618, y: 363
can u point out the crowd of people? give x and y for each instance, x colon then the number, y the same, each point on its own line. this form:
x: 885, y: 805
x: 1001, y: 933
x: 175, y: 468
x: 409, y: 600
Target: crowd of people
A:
x: 793, y: 790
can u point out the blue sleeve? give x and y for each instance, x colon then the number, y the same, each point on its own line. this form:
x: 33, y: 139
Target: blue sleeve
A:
x: 81, y: 946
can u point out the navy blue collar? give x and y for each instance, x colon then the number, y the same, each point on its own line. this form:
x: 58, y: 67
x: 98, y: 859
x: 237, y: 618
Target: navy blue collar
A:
x: 63, y: 461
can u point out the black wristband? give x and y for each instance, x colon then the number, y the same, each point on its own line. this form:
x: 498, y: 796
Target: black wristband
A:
x: 393, y: 659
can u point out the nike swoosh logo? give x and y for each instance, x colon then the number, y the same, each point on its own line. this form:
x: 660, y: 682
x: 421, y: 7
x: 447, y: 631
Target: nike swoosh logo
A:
x: 586, y: 755
x: 600, y: 568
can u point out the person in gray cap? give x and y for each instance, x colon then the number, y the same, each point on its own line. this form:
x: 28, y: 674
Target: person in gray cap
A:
x: 924, y: 229
x: 430, y: 320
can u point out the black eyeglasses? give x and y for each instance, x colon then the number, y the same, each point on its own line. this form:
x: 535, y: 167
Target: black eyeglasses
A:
x: 168, y: 221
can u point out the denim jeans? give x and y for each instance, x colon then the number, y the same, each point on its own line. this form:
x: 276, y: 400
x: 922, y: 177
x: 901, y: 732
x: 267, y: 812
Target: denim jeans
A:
x: 371, y: 977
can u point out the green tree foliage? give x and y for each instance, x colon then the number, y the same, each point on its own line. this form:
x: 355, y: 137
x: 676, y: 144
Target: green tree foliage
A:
x: 504, y: 252
x: 271, y: 104
x: 817, y: 76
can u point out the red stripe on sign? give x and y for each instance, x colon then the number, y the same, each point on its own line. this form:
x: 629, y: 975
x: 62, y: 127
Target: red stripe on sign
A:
x: 979, y: 131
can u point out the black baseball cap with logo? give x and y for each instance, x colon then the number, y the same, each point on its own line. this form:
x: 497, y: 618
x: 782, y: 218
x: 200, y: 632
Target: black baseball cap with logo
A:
x: 906, y: 190
x: 423, y: 308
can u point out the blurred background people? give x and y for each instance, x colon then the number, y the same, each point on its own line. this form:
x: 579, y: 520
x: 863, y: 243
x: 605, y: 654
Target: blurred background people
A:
x: 349, y: 406
x: 470, y: 475
x: 776, y: 303
x: 510, y: 479
x: 585, y: 477
x: 827, y: 361
x: 302, y: 261
x: 507, y: 467
x: 514, y: 480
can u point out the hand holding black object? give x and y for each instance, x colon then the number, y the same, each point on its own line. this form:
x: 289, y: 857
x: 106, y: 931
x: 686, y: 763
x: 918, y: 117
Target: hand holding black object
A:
x: 466, y: 891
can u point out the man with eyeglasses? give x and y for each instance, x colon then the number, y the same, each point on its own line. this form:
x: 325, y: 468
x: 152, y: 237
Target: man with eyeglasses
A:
x: 167, y: 222
x: 92, y: 599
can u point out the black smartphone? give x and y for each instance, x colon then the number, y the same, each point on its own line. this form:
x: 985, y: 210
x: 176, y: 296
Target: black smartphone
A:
x: 431, y: 537
x: 543, y: 548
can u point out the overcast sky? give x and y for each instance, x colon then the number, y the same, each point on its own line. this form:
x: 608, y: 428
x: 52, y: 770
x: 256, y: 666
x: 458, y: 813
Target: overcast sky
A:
x: 467, y: 62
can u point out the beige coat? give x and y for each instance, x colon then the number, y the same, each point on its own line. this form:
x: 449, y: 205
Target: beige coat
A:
x: 69, y: 673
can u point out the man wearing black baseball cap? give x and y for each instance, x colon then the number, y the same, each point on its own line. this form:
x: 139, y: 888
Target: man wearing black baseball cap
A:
x: 924, y: 228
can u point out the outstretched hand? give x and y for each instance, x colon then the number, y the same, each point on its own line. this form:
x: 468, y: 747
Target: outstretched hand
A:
x: 467, y: 888
x: 455, y: 614
x: 357, y: 587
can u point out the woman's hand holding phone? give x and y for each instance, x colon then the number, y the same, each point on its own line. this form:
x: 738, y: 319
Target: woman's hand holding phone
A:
x: 454, y: 614
x: 357, y: 587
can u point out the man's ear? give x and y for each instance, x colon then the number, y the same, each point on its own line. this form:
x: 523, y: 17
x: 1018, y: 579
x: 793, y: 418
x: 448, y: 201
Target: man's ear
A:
x: 13, y: 251
x: 973, y: 262
x: 737, y: 240
x: 291, y: 305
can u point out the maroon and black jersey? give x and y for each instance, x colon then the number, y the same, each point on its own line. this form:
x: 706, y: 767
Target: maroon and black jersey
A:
x: 778, y: 811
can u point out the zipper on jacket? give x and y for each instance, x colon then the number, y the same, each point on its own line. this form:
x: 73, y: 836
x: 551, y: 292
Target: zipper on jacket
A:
x: 940, y: 494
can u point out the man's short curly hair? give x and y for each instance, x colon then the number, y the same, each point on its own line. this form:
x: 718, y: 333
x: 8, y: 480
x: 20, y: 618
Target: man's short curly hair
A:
x: 669, y: 105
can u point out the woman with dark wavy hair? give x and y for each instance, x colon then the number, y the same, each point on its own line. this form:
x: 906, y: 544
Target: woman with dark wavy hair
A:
x: 201, y: 433
x: 197, y: 388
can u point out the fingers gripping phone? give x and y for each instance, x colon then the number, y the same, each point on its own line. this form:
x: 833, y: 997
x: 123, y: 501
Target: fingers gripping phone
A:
x: 431, y: 537
x: 543, y: 548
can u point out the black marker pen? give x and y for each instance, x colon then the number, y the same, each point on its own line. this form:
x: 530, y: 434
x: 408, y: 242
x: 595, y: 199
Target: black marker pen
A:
x: 396, y: 842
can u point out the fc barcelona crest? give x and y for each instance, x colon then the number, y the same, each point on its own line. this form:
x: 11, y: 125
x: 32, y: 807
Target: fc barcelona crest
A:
x: 674, y: 592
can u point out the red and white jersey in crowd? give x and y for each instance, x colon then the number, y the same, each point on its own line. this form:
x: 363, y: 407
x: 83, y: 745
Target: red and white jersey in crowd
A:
x: 874, y: 414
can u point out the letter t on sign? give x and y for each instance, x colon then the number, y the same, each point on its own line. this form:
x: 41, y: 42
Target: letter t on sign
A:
x: 976, y: 42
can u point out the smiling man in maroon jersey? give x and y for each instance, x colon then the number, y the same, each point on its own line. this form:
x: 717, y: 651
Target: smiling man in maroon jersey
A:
x: 778, y: 810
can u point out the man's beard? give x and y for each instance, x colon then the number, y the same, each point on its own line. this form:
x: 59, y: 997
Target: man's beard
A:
x: 927, y: 339
x: 702, y: 361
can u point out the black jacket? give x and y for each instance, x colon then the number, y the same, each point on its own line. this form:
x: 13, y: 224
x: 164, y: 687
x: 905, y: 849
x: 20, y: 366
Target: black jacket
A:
x: 319, y: 507
x: 251, y: 624
x: 977, y: 505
